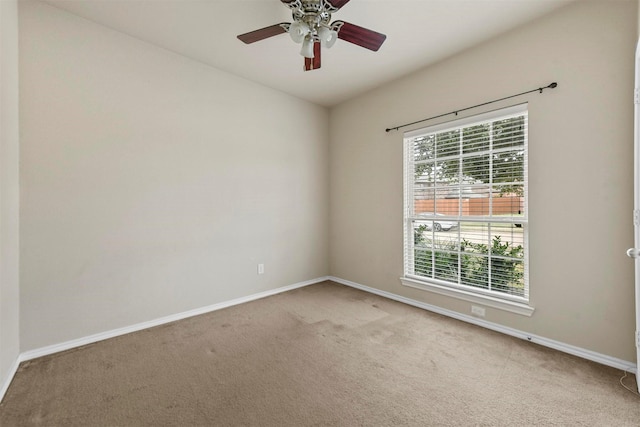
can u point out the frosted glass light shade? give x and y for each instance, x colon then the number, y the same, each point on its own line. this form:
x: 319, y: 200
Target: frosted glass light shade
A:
x: 307, y: 48
x: 327, y: 36
x: 298, y: 31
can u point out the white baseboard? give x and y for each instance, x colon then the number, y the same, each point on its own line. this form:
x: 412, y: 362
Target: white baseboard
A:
x: 67, y: 345
x: 557, y: 345
x: 576, y: 351
x: 9, y: 378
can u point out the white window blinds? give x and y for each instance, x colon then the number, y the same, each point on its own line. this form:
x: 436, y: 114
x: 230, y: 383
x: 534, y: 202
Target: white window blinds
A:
x: 466, y: 204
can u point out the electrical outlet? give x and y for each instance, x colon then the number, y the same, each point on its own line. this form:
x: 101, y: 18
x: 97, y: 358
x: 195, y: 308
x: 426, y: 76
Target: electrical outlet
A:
x: 477, y: 311
x: 260, y: 268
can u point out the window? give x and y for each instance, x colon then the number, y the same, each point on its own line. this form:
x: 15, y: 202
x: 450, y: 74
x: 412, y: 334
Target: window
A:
x: 466, y: 207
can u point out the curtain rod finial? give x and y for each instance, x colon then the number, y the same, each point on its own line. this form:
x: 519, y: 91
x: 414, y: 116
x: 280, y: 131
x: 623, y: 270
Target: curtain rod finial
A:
x: 551, y: 86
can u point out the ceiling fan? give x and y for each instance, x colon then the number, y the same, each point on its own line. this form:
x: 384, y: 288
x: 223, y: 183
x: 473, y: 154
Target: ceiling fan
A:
x: 311, y: 26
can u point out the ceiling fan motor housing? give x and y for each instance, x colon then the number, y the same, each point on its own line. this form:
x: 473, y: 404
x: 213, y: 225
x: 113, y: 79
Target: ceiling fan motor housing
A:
x: 313, y: 13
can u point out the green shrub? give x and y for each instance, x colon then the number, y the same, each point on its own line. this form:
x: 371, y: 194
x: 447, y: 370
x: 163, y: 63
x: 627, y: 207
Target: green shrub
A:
x: 446, y: 255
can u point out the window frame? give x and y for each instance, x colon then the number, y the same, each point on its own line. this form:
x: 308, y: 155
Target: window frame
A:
x: 496, y: 299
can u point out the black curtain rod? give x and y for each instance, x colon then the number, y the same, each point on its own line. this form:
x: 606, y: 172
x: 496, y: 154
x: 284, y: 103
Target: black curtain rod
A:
x: 540, y: 89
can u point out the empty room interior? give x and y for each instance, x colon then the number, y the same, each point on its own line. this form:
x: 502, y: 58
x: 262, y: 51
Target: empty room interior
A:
x: 201, y: 224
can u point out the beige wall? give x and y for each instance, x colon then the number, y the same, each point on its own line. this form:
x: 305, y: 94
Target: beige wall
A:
x: 580, y: 151
x: 9, y: 292
x: 152, y: 184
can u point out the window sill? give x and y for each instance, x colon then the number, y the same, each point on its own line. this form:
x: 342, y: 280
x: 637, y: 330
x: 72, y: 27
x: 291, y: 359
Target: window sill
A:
x: 488, y: 301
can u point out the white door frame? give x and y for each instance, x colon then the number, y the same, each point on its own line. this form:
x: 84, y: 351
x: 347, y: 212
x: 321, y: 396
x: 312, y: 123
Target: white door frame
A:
x: 635, y: 251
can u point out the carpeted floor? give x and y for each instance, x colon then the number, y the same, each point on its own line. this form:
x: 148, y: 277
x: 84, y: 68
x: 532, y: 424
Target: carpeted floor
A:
x: 320, y: 355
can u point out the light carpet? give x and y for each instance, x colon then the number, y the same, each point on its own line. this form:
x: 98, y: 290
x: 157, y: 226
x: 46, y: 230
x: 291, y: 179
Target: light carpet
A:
x: 322, y: 355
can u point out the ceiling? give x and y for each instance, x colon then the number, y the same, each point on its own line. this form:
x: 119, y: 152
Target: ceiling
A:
x: 419, y: 33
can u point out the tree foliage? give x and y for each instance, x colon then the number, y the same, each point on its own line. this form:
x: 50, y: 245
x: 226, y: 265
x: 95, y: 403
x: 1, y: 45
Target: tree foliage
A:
x: 489, y: 153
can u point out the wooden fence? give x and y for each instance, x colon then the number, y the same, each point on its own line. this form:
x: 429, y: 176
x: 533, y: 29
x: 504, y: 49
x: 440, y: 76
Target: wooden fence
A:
x: 472, y: 206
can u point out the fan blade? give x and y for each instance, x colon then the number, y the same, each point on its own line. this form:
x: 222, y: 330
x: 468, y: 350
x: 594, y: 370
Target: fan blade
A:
x: 264, y: 33
x: 358, y: 35
x: 335, y: 4
x: 313, y: 63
